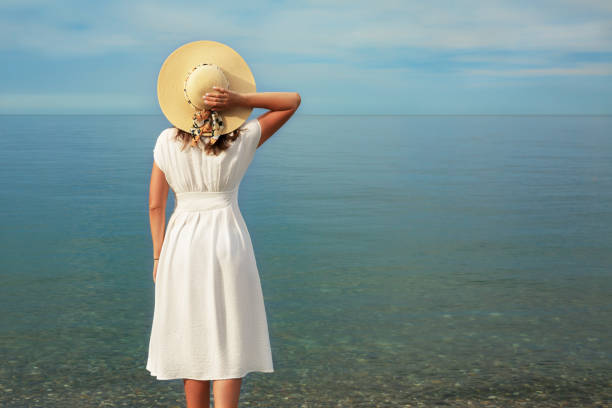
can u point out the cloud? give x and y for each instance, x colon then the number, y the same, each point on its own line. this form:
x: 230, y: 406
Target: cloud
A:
x: 491, y: 25
x: 51, y: 30
x: 584, y: 69
x: 331, y: 29
x: 397, y: 52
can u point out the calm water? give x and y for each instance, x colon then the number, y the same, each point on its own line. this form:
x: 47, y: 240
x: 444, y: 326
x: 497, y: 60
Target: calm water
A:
x: 403, y: 259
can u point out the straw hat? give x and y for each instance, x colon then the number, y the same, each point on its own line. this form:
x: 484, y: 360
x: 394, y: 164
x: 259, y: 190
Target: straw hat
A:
x: 192, y: 70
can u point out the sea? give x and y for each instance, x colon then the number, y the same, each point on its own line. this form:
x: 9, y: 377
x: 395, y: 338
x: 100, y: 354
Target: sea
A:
x: 405, y: 260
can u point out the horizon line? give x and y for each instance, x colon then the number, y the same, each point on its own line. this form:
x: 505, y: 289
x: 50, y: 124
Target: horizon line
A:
x: 328, y: 114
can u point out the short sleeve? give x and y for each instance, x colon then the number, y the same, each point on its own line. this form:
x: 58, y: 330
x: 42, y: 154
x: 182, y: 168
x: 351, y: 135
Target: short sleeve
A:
x: 160, y: 151
x: 253, y: 128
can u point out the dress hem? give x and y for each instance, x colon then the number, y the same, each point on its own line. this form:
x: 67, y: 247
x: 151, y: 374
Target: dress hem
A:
x: 166, y: 377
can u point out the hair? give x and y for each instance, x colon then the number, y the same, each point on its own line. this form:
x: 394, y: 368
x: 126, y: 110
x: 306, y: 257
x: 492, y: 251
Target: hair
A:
x: 223, y: 142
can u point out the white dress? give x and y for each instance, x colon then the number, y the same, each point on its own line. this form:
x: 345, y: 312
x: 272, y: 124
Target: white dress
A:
x: 209, y: 320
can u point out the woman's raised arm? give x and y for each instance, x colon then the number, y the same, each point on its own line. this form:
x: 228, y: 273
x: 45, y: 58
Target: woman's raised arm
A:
x: 281, y: 105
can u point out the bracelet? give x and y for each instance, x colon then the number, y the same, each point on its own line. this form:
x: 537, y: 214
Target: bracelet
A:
x: 155, y: 259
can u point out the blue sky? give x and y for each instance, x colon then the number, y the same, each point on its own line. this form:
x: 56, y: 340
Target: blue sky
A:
x: 343, y: 57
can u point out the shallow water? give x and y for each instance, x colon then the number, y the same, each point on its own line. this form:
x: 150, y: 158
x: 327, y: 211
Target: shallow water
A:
x: 404, y: 260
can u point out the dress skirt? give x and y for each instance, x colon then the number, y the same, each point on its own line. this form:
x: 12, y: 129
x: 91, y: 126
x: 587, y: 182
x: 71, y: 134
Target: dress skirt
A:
x: 209, y: 320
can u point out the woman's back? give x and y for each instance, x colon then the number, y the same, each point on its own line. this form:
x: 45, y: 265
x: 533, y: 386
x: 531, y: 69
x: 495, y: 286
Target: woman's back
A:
x: 191, y: 170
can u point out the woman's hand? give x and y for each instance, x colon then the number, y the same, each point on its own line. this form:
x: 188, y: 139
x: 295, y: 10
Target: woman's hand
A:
x: 155, y: 262
x: 223, y: 99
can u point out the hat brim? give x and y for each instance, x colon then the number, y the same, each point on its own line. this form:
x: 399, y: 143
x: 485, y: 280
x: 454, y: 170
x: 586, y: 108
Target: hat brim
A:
x: 171, y: 81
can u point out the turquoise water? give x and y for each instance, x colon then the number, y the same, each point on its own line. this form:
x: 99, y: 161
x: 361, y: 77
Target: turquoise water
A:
x: 403, y: 259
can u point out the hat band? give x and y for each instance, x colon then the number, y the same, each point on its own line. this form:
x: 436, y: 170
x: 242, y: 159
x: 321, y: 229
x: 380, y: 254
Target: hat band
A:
x: 207, y: 123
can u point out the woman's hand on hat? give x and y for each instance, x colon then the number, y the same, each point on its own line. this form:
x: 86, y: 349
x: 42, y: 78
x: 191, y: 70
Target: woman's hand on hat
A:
x: 222, y: 99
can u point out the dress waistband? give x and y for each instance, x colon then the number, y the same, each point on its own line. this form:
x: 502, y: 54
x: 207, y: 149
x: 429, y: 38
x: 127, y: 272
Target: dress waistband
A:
x: 205, y: 200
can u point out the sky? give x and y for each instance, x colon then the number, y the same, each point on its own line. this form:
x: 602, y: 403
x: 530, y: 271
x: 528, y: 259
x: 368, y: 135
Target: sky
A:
x: 343, y: 57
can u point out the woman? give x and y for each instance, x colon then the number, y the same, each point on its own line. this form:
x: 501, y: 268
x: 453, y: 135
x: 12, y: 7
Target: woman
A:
x: 209, y: 320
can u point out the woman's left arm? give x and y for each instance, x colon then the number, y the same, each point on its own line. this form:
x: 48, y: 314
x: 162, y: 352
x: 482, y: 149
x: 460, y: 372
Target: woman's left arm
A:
x: 158, y: 197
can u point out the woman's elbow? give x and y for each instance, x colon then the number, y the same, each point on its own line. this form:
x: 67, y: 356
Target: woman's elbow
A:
x: 298, y: 100
x: 155, y: 206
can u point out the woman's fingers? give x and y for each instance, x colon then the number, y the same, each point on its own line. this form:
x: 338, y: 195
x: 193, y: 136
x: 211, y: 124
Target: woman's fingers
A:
x: 218, y: 99
x: 215, y: 97
x: 218, y: 92
x: 214, y: 102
